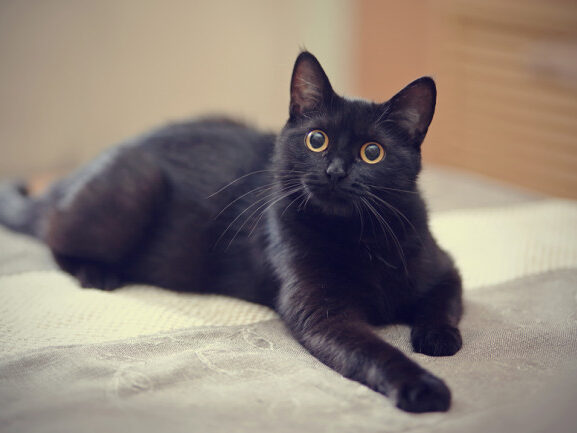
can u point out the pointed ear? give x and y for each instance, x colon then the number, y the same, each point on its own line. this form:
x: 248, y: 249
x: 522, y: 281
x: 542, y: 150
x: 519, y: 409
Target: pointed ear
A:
x: 310, y: 87
x: 413, y: 107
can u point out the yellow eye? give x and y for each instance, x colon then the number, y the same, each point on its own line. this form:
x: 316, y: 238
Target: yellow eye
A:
x: 317, y: 140
x: 372, y: 152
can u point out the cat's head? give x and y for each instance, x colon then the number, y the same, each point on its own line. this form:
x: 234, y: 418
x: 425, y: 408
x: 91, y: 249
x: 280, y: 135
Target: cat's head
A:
x: 337, y: 152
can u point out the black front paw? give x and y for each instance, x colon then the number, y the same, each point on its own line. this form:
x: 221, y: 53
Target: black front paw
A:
x: 96, y: 277
x: 436, y: 341
x: 424, y: 393
x: 90, y: 274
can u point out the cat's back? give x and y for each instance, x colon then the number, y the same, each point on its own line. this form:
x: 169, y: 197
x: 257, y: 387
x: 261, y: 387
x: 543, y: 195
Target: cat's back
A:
x: 214, y: 151
x: 193, y: 159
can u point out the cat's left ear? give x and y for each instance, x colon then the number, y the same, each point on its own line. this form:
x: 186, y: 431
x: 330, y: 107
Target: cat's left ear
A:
x: 413, y: 108
x: 310, y: 86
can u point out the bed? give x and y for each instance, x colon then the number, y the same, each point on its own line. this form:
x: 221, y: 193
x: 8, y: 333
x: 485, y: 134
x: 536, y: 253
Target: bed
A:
x: 145, y: 359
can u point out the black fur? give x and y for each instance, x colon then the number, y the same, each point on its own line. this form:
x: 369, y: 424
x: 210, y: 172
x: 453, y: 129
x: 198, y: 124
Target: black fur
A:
x: 335, y: 244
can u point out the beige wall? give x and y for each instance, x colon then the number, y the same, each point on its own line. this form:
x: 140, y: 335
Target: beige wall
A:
x: 77, y: 76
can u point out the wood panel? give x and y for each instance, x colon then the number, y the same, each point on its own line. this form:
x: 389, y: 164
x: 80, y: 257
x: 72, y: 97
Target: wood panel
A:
x: 507, y: 78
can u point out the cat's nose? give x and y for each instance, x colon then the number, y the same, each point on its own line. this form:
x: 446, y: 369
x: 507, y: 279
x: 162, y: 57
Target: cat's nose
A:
x: 336, y: 170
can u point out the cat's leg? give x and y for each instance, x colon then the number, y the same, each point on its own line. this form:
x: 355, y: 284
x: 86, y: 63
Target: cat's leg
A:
x: 435, y: 318
x: 101, y: 214
x: 91, y: 273
x: 335, y: 332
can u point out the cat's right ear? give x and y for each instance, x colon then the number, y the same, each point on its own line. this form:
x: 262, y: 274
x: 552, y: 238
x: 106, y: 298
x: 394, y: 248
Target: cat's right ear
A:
x: 310, y: 86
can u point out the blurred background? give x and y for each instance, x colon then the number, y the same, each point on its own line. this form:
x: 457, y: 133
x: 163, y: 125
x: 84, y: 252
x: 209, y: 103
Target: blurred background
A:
x: 79, y: 76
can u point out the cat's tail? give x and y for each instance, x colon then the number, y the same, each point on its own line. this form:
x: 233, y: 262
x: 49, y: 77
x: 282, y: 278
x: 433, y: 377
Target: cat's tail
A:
x: 18, y: 211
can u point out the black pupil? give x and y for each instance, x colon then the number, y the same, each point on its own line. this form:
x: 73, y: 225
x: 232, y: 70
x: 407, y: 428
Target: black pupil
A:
x: 372, y: 152
x: 317, y: 140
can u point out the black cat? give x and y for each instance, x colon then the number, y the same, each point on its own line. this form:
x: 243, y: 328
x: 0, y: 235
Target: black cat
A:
x: 323, y: 222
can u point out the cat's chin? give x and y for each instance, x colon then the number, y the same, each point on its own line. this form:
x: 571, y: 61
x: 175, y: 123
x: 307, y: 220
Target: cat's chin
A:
x: 338, y: 210
x: 337, y: 205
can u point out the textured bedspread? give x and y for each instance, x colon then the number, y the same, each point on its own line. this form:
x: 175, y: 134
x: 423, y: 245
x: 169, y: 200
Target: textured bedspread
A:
x: 144, y: 359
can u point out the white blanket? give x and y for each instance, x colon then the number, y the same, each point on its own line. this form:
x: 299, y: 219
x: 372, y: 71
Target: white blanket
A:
x: 145, y: 359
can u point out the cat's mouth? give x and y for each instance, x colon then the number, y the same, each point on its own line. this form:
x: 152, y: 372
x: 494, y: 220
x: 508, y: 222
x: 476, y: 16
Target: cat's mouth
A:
x: 333, y: 199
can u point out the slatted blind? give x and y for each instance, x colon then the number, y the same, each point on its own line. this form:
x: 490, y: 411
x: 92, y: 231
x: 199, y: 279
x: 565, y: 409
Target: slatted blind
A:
x: 510, y: 110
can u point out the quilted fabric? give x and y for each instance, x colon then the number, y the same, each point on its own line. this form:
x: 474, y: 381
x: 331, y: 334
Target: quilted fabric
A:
x: 144, y: 359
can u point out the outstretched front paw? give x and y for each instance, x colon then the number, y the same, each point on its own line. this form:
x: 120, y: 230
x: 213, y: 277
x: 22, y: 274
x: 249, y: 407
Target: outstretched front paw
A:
x: 436, y: 341
x: 423, y: 393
